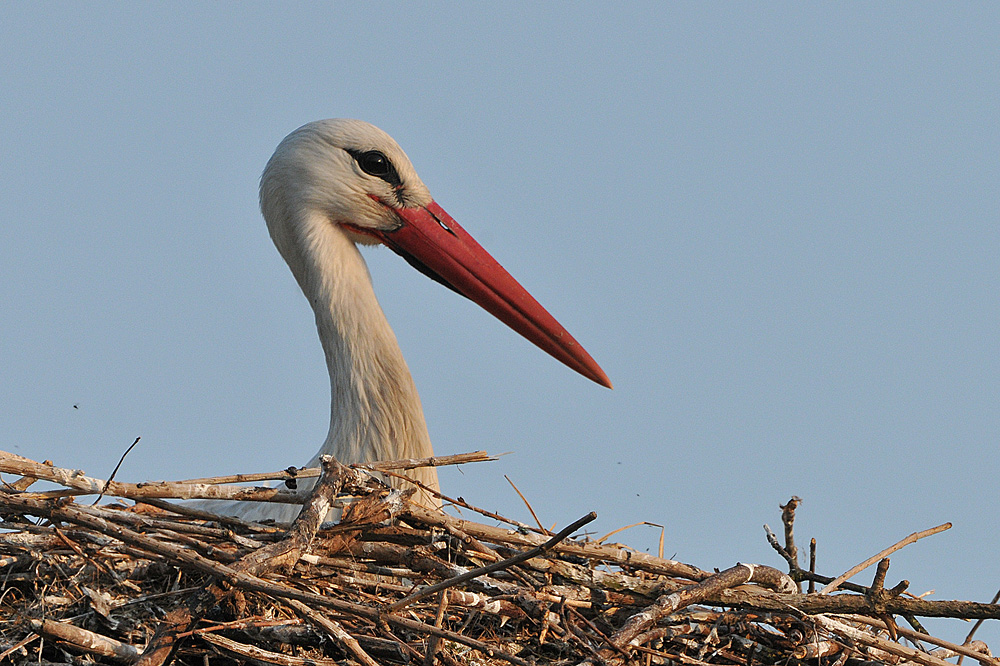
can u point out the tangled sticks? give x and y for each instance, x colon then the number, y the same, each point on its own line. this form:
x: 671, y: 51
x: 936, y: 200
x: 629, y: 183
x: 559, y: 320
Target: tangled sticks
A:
x: 394, y: 582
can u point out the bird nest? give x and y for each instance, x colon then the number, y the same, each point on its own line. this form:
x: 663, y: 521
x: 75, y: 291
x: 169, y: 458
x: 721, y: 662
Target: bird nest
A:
x: 393, y: 582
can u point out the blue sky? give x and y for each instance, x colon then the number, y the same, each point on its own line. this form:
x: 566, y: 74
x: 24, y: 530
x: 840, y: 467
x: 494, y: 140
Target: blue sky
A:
x: 775, y: 226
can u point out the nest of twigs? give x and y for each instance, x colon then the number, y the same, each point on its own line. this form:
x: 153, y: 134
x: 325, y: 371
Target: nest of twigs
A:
x: 394, y: 582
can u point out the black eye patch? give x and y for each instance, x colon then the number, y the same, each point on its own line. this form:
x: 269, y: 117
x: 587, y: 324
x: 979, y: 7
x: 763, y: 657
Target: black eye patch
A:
x: 375, y: 163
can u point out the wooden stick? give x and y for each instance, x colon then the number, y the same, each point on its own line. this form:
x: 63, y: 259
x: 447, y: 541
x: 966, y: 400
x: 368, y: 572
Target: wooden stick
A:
x: 433, y: 461
x: 285, y: 553
x: 254, y: 653
x: 788, y: 520
x: 432, y: 642
x: 143, y: 520
x: 793, y: 565
x: 593, y: 627
x: 182, y: 510
x: 244, y: 623
x: 18, y: 645
x: 292, y: 473
x: 87, y: 641
x: 812, y: 565
x: 875, y: 558
x: 77, y: 480
x: 850, y: 604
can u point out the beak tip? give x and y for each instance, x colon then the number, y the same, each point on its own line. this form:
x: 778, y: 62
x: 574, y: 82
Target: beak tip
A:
x: 597, y: 375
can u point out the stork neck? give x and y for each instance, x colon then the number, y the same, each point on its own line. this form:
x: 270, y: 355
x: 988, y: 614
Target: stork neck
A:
x: 375, y: 411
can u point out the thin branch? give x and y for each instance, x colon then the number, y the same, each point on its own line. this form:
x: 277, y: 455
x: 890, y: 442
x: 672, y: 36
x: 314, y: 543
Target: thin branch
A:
x: 541, y: 528
x: 875, y: 558
x: 293, y: 473
x: 17, y: 646
x: 788, y: 520
x: 628, y: 527
x: 115, y: 470
x: 812, y: 566
x: 793, y: 565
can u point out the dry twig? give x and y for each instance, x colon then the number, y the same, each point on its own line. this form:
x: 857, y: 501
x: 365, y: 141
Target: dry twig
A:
x: 885, y: 553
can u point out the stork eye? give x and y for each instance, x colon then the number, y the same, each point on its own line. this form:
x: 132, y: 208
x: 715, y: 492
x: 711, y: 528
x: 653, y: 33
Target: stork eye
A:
x: 375, y: 164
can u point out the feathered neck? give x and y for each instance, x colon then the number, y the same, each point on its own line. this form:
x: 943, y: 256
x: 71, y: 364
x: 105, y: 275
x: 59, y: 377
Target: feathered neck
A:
x: 375, y: 412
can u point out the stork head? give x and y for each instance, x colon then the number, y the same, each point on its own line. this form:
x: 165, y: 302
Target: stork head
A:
x: 361, y: 181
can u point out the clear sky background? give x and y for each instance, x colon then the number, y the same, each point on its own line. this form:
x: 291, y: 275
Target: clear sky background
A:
x: 775, y: 226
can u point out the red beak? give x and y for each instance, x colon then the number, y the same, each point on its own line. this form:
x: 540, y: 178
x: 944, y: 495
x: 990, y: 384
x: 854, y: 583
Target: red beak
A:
x: 435, y: 244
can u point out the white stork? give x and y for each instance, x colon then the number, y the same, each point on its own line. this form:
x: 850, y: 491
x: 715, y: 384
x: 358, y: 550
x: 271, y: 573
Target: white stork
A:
x: 330, y: 186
